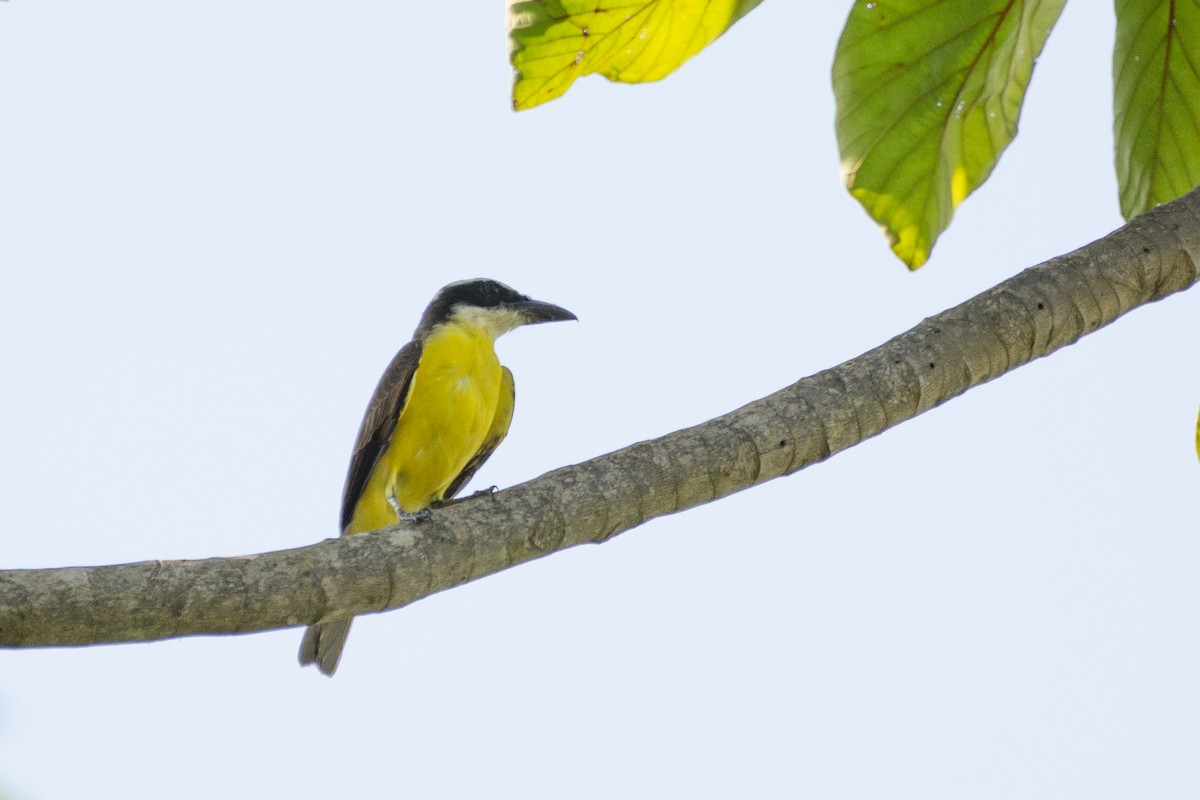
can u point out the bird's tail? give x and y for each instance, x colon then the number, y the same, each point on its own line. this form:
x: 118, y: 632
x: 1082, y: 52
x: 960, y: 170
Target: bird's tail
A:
x: 323, y: 644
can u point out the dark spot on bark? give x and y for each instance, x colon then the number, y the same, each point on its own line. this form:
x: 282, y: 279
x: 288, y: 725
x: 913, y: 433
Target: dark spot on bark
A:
x: 1041, y: 306
x: 932, y: 365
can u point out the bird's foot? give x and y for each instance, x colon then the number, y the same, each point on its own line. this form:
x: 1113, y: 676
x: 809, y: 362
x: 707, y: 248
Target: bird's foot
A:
x: 420, y: 515
x: 416, y: 516
x: 489, y: 491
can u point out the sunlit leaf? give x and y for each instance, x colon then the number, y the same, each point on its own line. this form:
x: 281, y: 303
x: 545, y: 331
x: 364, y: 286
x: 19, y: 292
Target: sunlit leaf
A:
x: 1156, y: 101
x: 633, y: 41
x: 928, y: 96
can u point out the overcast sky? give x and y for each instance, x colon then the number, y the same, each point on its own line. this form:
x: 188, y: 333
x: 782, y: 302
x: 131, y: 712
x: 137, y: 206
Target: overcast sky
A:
x: 218, y: 221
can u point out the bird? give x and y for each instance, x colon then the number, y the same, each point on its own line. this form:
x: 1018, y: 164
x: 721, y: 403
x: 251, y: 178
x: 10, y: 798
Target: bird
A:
x: 441, y: 408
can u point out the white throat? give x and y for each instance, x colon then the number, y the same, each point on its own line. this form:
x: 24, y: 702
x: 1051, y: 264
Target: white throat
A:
x: 495, y: 322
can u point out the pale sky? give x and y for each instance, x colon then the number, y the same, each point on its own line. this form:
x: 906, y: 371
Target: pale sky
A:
x: 219, y: 221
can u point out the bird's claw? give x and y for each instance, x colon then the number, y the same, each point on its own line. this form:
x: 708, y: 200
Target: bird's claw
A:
x: 489, y: 491
x: 420, y: 515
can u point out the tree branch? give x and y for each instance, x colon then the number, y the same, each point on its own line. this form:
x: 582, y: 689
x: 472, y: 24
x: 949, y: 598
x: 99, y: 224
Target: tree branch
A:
x: 1028, y: 316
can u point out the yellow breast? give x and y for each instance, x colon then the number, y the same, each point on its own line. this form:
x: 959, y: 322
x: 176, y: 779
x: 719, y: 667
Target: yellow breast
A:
x: 449, y: 408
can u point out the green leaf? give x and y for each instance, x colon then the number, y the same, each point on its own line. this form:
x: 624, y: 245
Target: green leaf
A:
x: 928, y: 96
x: 1156, y: 101
x: 633, y: 41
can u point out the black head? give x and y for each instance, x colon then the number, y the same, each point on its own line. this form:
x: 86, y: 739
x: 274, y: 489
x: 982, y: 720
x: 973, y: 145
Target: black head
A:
x: 487, y: 294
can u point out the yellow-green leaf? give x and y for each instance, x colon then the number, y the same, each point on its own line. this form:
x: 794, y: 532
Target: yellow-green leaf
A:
x: 1156, y: 101
x: 633, y: 41
x: 928, y: 96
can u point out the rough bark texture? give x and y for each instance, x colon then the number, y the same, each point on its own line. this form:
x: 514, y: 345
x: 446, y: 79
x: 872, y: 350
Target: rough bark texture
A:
x: 1031, y: 315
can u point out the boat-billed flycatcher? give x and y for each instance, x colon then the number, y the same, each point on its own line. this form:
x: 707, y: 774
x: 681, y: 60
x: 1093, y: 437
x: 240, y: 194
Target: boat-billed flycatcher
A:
x: 440, y: 409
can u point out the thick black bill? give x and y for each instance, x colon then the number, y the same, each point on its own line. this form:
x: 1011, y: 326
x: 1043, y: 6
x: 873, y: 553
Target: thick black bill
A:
x: 536, y: 311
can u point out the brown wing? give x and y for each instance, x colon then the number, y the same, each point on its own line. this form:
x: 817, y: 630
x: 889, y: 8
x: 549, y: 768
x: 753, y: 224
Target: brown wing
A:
x: 495, y: 435
x: 378, y: 423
